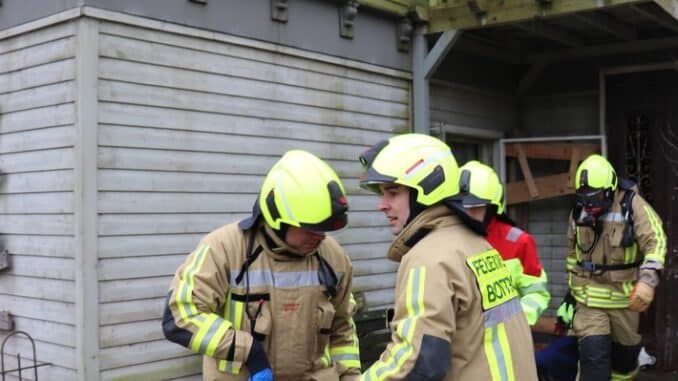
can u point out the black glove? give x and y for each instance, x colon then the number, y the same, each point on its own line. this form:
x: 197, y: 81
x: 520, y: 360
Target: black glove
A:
x: 256, y: 360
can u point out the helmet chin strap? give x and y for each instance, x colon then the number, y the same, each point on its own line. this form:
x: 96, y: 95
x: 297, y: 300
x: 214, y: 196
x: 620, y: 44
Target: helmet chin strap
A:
x: 282, y: 232
x: 415, y: 207
x: 490, y: 212
x: 458, y: 209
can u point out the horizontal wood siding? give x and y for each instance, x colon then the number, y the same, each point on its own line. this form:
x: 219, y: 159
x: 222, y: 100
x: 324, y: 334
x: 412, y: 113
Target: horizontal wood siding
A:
x: 562, y: 114
x: 37, y: 72
x: 462, y: 106
x: 187, y: 130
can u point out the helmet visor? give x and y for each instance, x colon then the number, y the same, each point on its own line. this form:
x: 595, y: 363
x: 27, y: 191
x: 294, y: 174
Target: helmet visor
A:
x: 370, y: 178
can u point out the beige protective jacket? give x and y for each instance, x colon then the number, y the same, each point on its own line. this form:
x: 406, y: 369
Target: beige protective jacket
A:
x: 611, y: 289
x: 306, y: 334
x: 457, y: 313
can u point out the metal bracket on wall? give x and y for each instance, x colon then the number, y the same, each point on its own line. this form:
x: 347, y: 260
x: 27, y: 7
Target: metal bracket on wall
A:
x: 279, y: 10
x: 347, y: 14
x: 6, y: 321
x: 404, y: 34
x: 4, y: 260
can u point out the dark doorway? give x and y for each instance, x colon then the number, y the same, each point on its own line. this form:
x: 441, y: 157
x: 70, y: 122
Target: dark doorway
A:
x: 642, y: 132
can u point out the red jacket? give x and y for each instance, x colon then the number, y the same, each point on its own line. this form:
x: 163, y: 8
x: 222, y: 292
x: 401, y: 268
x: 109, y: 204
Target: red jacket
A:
x: 519, y: 252
x: 512, y: 242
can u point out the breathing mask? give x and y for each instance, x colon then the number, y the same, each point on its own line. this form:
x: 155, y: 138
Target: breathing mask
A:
x: 590, y: 205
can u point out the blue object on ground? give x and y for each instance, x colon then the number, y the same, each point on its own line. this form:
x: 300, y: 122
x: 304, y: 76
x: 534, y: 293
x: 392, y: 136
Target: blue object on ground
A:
x: 558, y: 360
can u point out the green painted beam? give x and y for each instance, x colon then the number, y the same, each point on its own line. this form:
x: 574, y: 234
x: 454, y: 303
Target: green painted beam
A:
x: 474, y: 14
x: 398, y: 7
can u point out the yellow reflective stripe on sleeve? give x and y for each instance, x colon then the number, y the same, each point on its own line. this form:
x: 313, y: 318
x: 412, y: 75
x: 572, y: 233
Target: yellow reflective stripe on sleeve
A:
x: 537, y: 287
x: 624, y: 376
x: 184, y: 295
x: 533, y: 306
x: 630, y: 253
x: 498, y: 353
x: 578, y: 244
x: 354, y: 329
x: 400, y: 352
x: 235, y: 313
x: 488, y: 342
x: 196, y: 341
x: 659, y: 236
x: 209, y: 334
x: 214, y: 337
x: 627, y: 286
x: 506, y: 349
x: 326, y: 359
x: 415, y: 291
x: 347, y: 356
x: 571, y: 262
x: 229, y: 367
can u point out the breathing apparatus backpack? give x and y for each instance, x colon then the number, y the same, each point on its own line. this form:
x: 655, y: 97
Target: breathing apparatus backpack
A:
x: 628, y: 237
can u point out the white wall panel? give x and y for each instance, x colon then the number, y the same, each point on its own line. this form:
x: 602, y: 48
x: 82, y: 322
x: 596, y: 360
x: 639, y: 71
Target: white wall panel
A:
x: 36, y: 200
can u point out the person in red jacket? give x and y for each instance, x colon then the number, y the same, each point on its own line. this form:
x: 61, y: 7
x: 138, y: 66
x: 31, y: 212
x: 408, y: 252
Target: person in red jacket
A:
x: 482, y: 195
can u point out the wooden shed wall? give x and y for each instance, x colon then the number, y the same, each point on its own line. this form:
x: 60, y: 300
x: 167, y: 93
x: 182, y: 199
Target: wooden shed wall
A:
x: 465, y: 106
x: 188, y: 126
x: 37, y: 94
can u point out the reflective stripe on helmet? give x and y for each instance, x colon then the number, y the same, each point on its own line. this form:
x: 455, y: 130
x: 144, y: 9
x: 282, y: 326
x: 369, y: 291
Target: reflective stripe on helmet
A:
x: 417, y: 161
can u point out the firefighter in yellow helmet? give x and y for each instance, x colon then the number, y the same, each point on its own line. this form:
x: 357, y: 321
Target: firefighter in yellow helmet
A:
x: 457, y: 314
x: 482, y: 196
x: 616, y: 248
x: 269, y: 297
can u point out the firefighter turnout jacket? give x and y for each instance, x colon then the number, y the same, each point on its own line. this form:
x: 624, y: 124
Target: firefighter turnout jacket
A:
x: 457, y: 313
x: 299, y: 307
x: 603, y: 270
x: 519, y: 252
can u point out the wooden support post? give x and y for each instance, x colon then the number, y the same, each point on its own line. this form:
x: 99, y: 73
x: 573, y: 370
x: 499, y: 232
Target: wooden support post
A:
x: 527, y: 173
x: 574, y: 161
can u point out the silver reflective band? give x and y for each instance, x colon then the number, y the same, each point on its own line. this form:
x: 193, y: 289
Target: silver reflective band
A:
x: 499, y: 353
x: 345, y: 357
x: 613, y: 217
x: 536, y: 287
x: 282, y: 279
x: 514, y: 234
x: 502, y: 312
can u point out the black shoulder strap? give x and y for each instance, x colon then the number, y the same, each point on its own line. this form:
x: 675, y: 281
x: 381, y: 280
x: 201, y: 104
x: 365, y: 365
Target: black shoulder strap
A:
x: 250, y: 256
x: 327, y: 276
x: 629, y: 187
x: 625, y: 203
x: 627, y: 213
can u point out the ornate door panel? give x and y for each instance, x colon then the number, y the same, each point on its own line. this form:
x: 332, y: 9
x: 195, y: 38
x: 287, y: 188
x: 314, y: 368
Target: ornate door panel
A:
x: 642, y: 131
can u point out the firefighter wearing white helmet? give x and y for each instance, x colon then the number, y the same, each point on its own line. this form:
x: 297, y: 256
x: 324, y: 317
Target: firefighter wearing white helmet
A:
x: 482, y: 195
x: 616, y: 248
x: 269, y: 297
x: 457, y: 315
